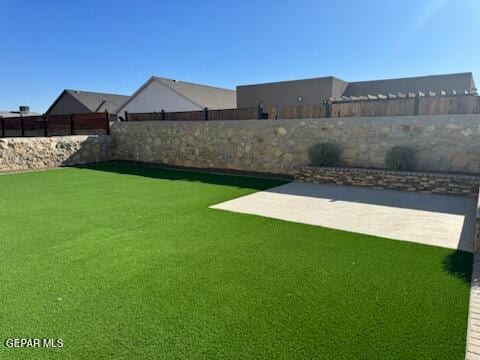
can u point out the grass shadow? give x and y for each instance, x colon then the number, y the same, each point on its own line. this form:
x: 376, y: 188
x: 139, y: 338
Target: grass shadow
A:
x: 244, y: 180
x: 459, y: 264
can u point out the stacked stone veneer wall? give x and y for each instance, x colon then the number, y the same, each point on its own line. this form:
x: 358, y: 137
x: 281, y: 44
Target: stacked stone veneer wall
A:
x: 442, y: 142
x: 436, y: 183
x: 47, y: 152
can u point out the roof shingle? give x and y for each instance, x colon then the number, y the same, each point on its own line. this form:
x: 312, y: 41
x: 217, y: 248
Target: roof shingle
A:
x: 98, y: 102
x: 203, y: 95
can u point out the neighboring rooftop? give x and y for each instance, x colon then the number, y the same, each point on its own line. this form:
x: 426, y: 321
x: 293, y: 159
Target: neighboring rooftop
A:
x: 90, y: 102
x: 98, y: 102
x: 447, y: 83
x: 316, y: 90
x: 22, y: 111
x: 203, y: 96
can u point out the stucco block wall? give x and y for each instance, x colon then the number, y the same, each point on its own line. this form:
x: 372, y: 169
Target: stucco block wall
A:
x: 442, y: 142
x: 48, y: 152
x: 287, y: 93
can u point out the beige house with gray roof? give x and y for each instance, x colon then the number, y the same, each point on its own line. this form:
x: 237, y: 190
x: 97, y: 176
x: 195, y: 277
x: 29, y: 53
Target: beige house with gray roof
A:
x: 171, y: 95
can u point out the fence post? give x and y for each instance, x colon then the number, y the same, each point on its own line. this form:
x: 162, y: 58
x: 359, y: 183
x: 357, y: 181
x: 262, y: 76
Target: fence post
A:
x: 22, y: 125
x: 45, y: 125
x: 328, y: 108
x: 163, y: 114
x: 71, y: 124
x: 259, y: 112
x: 205, y: 111
x: 126, y: 115
x: 107, y: 119
x: 416, y: 105
x: 2, y: 120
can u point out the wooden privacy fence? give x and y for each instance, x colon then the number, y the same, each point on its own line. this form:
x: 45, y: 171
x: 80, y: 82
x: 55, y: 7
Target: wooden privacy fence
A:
x: 56, y: 125
x: 380, y: 107
x: 449, y: 105
x: 418, y: 105
x: 205, y: 114
x: 398, y: 106
x: 299, y: 112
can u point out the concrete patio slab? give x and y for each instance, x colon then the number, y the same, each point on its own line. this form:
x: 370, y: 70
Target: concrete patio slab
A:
x: 439, y: 220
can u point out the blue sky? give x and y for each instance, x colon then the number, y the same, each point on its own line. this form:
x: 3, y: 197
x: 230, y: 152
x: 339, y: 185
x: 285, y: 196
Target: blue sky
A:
x: 114, y: 46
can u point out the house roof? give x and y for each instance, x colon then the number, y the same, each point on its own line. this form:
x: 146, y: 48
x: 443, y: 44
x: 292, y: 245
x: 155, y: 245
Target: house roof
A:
x: 16, y: 113
x: 202, y: 95
x: 95, y: 101
x: 431, y: 83
x: 287, y: 92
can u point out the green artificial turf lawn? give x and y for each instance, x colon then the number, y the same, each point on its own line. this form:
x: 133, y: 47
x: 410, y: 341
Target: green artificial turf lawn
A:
x: 129, y: 262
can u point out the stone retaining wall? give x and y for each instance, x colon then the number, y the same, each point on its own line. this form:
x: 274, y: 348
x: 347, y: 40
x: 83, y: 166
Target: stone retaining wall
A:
x: 425, y: 182
x: 443, y: 143
x: 47, y: 152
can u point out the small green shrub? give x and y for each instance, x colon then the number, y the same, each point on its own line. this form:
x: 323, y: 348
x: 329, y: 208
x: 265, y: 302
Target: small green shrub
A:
x: 324, y: 154
x: 400, y: 158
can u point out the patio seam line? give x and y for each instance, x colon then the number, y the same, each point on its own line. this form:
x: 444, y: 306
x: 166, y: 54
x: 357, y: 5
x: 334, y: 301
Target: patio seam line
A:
x: 472, y: 351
